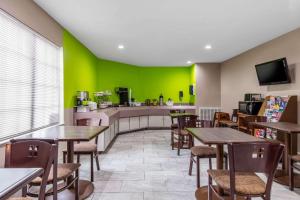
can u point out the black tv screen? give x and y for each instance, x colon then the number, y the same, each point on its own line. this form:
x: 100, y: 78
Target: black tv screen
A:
x: 273, y: 72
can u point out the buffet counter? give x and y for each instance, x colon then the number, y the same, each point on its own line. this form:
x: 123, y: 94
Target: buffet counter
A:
x: 129, y: 119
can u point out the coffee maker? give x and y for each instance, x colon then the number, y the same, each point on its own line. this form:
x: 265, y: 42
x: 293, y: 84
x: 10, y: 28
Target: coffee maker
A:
x: 123, y: 95
x: 81, y: 97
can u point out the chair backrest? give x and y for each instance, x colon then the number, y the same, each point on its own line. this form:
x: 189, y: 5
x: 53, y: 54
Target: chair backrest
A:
x: 186, y: 121
x: 218, y: 116
x: 259, y: 157
x: 199, y: 124
x: 32, y: 154
x: 87, y: 122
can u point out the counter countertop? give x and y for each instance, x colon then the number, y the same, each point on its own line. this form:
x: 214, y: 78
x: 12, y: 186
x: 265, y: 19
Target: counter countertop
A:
x: 115, y: 110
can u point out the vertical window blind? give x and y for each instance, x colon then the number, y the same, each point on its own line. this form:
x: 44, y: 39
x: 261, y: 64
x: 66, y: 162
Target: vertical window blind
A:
x: 29, y: 79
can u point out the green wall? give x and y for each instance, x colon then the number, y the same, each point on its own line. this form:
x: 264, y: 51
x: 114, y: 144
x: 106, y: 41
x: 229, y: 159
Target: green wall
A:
x: 114, y: 74
x: 164, y: 80
x: 84, y: 71
x: 80, y: 69
x: 145, y: 82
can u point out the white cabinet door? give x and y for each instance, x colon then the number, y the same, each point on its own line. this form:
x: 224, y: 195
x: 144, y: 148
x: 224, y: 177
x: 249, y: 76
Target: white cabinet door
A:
x: 167, y: 121
x: 101, y: 146
x: 106, y: 137
x: 144, y: 121
x: 123, y: 124
x: 156, y: 121
x: 112, y: 131
x: 116, y: 127
x: 134, y: 123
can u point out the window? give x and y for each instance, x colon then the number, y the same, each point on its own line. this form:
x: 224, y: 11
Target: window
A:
x: 30, y: 79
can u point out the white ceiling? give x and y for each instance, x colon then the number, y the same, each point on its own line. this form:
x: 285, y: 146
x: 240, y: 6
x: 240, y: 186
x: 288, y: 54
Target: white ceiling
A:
x: 171, y: 32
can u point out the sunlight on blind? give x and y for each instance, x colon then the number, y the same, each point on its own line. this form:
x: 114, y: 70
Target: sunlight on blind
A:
x: 29, y: 79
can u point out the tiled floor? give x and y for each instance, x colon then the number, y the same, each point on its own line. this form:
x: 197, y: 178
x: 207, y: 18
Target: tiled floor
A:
x: 142, y: 166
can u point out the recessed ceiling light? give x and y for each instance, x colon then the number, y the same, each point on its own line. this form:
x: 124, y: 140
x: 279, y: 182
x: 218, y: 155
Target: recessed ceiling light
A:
x: 121, y: 46
x: 189, y: 62
x: 208, y: 46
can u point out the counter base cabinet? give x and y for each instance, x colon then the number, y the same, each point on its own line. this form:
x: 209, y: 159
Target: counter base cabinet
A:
x: 107, y: 137
x: 124, y: 124
x: 144, y: 121
x: 101, y: 146
x: 156, y: 121
x: 134, y: 123
x: 167, y: 121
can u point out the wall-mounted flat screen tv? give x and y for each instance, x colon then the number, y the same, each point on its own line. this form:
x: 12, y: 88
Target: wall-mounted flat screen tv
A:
x: 273, y: 72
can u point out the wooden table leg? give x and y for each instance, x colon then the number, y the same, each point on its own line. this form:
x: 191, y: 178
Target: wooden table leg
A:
x: 282, y: 176
x: 220, y: 156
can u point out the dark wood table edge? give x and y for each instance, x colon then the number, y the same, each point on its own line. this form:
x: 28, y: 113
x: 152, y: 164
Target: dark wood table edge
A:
x: 20, y: 184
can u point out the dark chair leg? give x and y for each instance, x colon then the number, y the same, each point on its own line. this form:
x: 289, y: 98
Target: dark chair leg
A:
x: 172, y: 139
x: 291, y: 174
x: 178, y: 145
x: 198, y: 171
x: 64, y: 157
x: 76, y: 185
x: 92, y: 167
x: 24, y: 191
x: 97, y: 161
x: 191, y: 165
x: 209, y: 188
x: 78, y: 158
x: 209, y: 163
x: 226, y: 162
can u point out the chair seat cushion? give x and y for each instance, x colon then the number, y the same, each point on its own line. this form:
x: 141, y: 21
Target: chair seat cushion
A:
x: 182, y: 132
x: 296, y: 158
x: 85, y: 147
x: 245, y: 183
x: 203, y: 151
x: 64, y: 170
x: 174, y: 126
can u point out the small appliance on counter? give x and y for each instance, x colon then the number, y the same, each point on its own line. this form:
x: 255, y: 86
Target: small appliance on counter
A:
x: 250, y: 107
x: 169, y: 102
x: 123, y: 95
x: 253, y: 97
x: 154, y: 102
x: 180, y: 96
x: 161, y: 100
x: 81, y: 109
x: 92, y: 105
x: 102, y: 99
x: 82, y: 97
x: 147, y: 102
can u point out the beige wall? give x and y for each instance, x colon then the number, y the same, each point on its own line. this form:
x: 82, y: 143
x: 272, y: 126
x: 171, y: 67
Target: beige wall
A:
x: 33, y: 16
x: 208, y: 86
x: 238, y: 75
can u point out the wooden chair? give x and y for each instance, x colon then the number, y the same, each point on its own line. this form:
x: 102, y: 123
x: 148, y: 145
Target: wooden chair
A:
x: 174, y: 125
x: 202, y: 151
x: 245, y: 160
x: 62, y: 175
x: 244, y: 122
x: 86, y: 148
x: 220, y: 116
x: 183, y: 138
x: 292, y: 160
x: 32, y: 154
